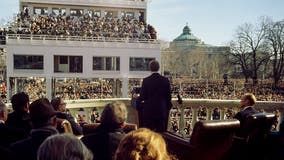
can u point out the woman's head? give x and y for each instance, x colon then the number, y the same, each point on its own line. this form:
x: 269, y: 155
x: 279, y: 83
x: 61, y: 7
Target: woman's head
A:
x: 142, y: 144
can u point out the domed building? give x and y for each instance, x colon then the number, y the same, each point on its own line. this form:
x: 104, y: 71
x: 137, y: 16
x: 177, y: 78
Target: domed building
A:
x: 187, y: 36
x: 189, y: 56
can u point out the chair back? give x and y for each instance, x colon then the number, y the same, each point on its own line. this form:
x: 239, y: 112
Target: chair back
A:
x: 259, y: 126
x: 212, y: 139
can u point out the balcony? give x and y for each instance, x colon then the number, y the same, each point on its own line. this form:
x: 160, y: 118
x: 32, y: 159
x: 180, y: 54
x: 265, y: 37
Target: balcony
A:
x: 192, y: 110
x: 188, y: 114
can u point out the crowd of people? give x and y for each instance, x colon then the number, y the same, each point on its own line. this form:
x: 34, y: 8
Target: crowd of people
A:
x: 83, y: 25
x: 73, y: 89
x: 216, y: 89
x: 32, y: 130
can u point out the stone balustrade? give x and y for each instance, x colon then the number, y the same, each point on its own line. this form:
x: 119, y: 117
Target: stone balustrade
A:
x: 182, y: 117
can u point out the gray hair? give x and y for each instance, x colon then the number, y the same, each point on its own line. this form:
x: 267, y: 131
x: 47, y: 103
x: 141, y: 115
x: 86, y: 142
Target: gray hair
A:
x: 114, y: 115
x: 63, y: 146
x: 2, y: 107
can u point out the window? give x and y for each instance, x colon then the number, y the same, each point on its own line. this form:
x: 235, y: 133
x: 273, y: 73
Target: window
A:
x: 68, y: 64
x: 58, y: 11
x: 139, y: 63
x: 40, y: 11
x: 28, y: 62
x: 76, y: 12
x: 106, y: 63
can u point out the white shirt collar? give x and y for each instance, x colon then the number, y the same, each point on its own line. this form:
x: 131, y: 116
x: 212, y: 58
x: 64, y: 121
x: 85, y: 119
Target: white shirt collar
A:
x: 2, y: 122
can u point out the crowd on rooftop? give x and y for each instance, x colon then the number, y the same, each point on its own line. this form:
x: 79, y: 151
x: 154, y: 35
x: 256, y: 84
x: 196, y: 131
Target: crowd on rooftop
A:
x: 85, y: 25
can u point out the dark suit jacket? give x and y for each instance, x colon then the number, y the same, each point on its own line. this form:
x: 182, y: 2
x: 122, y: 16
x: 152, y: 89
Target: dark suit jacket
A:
x: 103, y: 142
x: 156, y: 94
x: 9, y: 135
x: 20, y: 120
x: 242, y: 116
x: 27, y: 148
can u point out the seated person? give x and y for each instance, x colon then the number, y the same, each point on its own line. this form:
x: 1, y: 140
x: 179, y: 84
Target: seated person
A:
x: 60, y: 106
x: 247, y: 109
x: 72, y: 148
x: 106, y: 137
x: 142, y: 144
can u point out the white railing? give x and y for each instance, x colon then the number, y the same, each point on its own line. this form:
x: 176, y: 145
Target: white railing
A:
x: 185, y: 115
x: 109, y: 3
x: 79, y: 38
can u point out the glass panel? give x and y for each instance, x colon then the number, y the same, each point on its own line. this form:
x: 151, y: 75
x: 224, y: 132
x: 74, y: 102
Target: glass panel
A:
x: 68, y: 64
x: 106, y: 63
x: 28, y: 62
x: 139, y: 63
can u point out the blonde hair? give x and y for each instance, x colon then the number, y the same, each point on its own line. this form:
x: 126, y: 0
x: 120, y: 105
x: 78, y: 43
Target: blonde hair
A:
x: 142, y: 144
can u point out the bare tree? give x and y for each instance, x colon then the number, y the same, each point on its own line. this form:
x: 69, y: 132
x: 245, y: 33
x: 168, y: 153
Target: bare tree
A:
x: 251, y: 48
x: 275, y: 39
x: 171, y: 61
x: 240, y: 57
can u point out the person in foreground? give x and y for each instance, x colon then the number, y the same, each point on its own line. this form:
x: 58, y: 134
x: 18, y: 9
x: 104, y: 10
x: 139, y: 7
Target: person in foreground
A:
x: 69, y: 148
x: 155, y: 97
x: 105, y: 139
x: 43, y: 118
x: 142, y: 144
x: 20, y: 117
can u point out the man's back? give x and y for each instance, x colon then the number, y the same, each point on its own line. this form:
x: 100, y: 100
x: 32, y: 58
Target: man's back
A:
x: 27, y: 148
x: 20, y: 120
x: 9, y: 135
x: 156, y: 94
x: 103, y: 143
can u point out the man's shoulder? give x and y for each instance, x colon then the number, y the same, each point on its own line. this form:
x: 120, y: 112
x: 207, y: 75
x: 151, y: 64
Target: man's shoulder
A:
x: 21, y: 144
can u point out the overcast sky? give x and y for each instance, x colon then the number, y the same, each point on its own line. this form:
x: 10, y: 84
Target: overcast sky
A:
x: 213, y: 21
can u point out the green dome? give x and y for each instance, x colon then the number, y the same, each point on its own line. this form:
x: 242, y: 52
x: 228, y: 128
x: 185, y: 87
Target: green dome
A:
x: 186, y: 35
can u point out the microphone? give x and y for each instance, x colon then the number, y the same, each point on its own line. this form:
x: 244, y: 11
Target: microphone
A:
x: 179, y: 99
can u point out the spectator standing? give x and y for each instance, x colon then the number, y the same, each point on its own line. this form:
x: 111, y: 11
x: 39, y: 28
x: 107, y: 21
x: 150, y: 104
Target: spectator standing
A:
x: 71, y: 148
x: 155, y: 96
x: 60, y: 106
x: 20, y: 118
x: 105, y: 139
x: 43, y: 118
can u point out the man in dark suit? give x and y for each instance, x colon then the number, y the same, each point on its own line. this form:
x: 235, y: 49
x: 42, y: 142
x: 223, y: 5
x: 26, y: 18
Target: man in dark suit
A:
x: 44, y: 122
x: 60, y: 106
x: 240, y: 149
x: 247, y: 109
x: 20, y: 117
x: 8, y: 134
x: 155, y: 97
